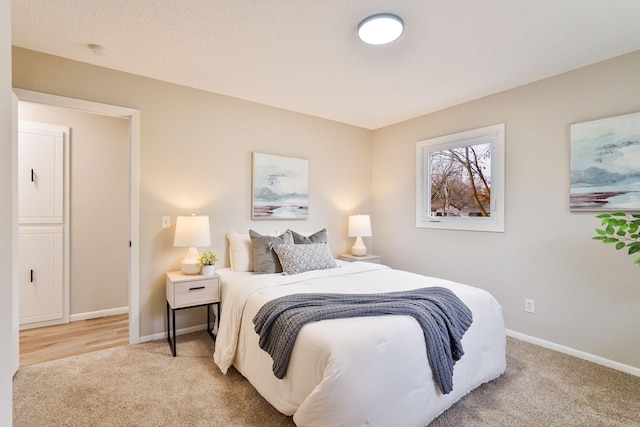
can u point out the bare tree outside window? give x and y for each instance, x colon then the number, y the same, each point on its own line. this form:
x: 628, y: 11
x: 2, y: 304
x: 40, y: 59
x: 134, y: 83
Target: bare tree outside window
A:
x: 460, y: 180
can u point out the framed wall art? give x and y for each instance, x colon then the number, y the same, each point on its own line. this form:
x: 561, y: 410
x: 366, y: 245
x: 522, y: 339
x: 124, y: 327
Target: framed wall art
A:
x: 280, y: 187
x: 605, y: 164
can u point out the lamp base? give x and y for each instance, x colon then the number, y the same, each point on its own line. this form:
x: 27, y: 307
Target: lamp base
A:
x: 190, y: 263
x: 358, y: 248
x: 190, y: 268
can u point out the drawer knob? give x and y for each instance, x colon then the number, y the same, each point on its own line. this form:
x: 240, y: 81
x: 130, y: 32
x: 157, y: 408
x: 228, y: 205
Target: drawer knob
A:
x: 196, y: 288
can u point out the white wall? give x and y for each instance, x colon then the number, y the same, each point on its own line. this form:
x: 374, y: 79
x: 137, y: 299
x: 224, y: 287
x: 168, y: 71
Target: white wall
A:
x: 99, y: 205
x: 195, y: 157
x: 8, y: 222
x: 586, y: 294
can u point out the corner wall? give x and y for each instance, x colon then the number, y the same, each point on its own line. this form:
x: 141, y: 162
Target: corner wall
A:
x: 586, y: 294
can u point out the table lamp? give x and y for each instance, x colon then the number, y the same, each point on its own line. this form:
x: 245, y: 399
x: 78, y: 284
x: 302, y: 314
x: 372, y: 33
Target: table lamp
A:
x: 359, y: 227
x: 191, y: 232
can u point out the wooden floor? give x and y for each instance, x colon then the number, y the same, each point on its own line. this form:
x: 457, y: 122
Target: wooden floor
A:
x: 83, y: 336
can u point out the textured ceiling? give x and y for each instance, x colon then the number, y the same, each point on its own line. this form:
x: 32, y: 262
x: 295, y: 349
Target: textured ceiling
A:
x: 304, y: 55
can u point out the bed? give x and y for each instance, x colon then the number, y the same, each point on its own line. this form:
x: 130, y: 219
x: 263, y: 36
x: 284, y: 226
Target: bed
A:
x: 361, y: 370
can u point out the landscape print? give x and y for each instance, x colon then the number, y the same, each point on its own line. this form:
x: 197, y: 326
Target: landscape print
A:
x: 280, y: 187
x: 605, y: 164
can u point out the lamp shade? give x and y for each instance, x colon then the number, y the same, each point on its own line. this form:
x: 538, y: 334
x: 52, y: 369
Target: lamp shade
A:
x: 359, y: 226
x: 192, y: 231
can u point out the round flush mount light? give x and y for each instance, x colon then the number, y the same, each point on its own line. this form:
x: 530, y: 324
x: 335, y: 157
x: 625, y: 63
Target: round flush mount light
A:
x: 379, y: 29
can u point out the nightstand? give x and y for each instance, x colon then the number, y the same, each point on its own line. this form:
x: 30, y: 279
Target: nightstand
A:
x: 189, y: 291
x: 376, y: 259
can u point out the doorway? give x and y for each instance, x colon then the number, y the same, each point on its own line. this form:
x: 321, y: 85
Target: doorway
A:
x: 131, y: 116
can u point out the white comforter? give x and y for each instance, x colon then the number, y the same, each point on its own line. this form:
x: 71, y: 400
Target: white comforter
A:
x: 357, y: 371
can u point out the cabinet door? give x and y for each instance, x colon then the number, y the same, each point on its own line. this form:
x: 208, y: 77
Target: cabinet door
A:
x: 40, y: 175
x: 40, y: 273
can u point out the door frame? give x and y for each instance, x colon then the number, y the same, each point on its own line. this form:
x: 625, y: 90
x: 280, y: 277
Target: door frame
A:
x: 133, y: 116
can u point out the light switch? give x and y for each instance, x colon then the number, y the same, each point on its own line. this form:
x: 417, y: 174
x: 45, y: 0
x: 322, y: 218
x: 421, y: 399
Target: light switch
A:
x: 166, y: 222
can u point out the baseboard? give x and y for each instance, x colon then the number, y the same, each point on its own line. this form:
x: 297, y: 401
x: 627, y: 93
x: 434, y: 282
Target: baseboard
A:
x: 577, y: 353
x: 163, y: 335
x: 100, y: 313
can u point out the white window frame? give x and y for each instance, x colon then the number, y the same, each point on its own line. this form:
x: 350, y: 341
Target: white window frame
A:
x: 495, y: 135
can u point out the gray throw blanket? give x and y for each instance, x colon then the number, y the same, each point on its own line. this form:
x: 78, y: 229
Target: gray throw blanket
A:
x: 444, y: 319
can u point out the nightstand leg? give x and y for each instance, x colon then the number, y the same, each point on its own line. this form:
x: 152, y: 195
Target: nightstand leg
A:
x: 172, y: 343
x: 173, y: 315
x: 209, y: 331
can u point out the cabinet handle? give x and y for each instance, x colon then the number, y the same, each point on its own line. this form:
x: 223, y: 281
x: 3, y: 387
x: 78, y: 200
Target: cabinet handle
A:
x: 31, y: 275
x: 33, y: 177
x: 195, y: 289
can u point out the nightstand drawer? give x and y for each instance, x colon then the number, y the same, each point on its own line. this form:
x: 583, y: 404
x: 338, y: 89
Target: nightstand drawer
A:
x: 375, y: 259
x: 199, y: 292
x: 183, y: 292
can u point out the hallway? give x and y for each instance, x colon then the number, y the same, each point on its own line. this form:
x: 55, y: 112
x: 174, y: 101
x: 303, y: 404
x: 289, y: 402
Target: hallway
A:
x: 83, y: 336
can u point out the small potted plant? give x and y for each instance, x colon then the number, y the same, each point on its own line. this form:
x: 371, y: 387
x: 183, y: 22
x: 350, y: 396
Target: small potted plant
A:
x: 207, y: 260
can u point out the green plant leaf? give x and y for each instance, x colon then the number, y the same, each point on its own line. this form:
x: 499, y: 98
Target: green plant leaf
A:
x: 620, y: 229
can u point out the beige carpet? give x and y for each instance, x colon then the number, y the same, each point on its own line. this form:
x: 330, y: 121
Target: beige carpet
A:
x: 143, y: 385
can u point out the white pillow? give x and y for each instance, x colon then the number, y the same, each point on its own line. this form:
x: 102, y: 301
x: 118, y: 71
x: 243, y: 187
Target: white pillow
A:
x: 300, y: 258
x: 240, y: 251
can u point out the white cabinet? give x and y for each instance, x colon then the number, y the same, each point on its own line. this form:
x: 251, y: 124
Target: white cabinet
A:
x: 40, y: 175
x: 40, y: 274
x: 43, y: 232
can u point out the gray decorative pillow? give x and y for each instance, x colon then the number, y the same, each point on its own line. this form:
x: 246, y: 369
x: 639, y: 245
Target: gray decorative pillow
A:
x: 265, y: 260
x: 300, y: 258
x: 317, y: 237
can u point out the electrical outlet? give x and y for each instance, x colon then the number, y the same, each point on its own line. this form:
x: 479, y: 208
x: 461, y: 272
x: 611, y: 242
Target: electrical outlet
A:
x: 166, y: 222
x: 529, y: 305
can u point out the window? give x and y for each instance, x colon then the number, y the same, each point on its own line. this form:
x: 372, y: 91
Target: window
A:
x: 460, y: 180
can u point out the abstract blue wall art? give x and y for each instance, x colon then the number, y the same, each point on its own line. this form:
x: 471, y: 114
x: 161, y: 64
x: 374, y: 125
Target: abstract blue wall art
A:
x: 605, y: 164
x: 280, y: 187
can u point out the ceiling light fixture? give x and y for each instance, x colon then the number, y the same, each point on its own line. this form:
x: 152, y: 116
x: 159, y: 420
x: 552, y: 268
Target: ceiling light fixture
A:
x: 379, y: 29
